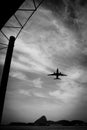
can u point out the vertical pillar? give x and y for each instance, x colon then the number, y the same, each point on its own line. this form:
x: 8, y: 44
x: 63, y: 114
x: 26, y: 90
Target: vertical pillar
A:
x: 5, y: 74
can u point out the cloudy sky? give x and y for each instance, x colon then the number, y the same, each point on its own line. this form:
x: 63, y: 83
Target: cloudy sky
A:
x: 51, y: 39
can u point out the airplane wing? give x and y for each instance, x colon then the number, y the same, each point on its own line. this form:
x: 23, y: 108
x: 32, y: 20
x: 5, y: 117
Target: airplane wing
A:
x: 51, y: 74
x: 62, y: 74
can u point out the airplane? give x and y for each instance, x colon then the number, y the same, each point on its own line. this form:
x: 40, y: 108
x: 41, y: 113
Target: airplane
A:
x: 57, y: 74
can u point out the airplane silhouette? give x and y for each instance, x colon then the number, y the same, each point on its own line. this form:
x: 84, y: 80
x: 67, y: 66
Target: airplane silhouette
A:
x: 57, y: 74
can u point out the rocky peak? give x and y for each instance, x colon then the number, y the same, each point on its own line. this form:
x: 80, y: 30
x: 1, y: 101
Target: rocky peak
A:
x: 41, y: 121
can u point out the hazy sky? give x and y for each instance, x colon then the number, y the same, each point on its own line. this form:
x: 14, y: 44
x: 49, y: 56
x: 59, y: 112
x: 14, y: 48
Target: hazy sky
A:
x: 50, y: 39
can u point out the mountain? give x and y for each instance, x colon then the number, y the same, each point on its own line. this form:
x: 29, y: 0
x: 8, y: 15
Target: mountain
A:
x: 77, y: 122
x: 63, y: 122
x: 41, y: 121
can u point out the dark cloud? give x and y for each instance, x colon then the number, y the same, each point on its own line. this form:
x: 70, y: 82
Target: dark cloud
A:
x: 53, y: 5
x: 69, y: 11
x: 82, y: 2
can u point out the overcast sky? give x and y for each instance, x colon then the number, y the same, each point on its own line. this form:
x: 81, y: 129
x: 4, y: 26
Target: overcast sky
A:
x: 50, y: 40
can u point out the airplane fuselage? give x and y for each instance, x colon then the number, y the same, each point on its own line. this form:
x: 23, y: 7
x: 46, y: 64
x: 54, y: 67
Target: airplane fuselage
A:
x: 57, y: 74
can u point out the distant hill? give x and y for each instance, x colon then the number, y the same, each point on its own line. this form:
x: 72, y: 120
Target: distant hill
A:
x: 78, y: 122
x: 63, y: 122
x: 42, y: 121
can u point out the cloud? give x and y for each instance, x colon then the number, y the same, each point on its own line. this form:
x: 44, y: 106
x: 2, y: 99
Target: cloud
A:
x: 77, y: 73
x: 37, y: 83
x: 30, y: 57
x: 18, y: 75
x: 39, y: 94
x: 83, y: 77
x: 24, y: 79
x: 68, y: 91
x: 24, y: 92
x: 2, y: 59
x: 17, y: 93
x: 74, y: 72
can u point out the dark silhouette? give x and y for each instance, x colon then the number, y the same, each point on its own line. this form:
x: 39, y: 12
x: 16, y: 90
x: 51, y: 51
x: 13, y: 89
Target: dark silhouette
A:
x: 18, y: 124
x: 77, y: 122
x: 57, y: 74
x: 63, y: 122
x: 5, y: 74
x: 7, y: 11
x: 42, y: 121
